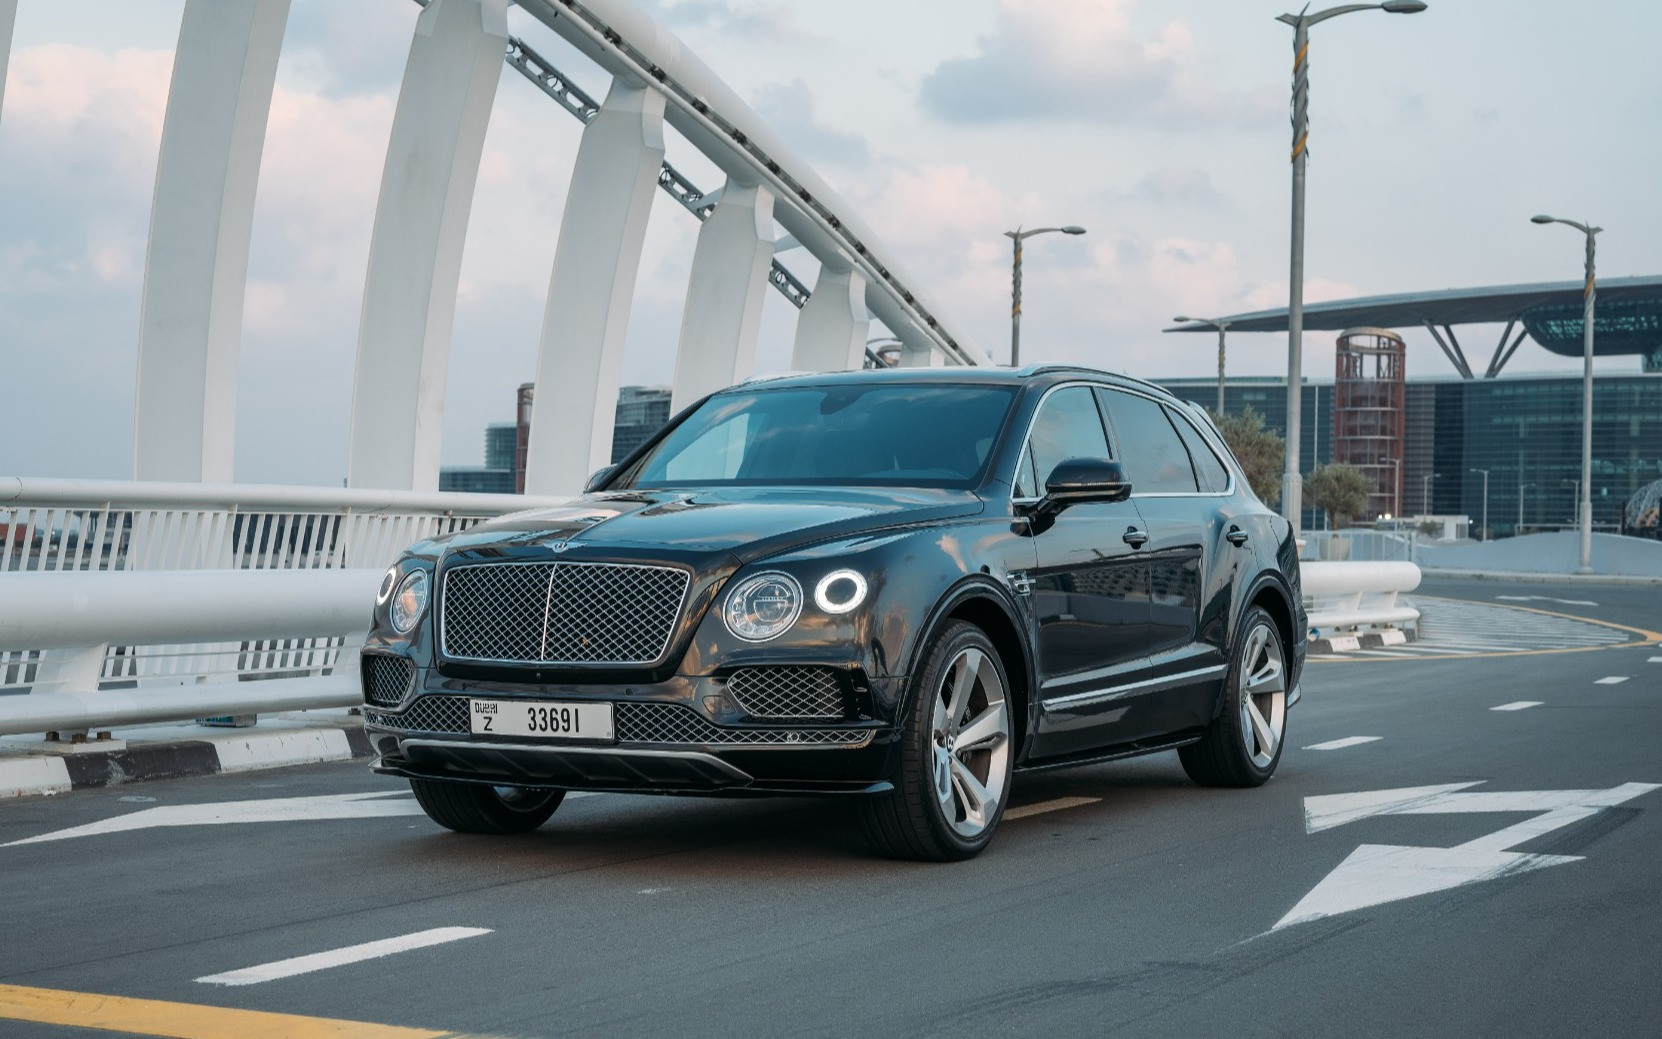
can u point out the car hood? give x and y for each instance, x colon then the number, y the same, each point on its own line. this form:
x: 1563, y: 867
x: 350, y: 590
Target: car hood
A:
x: 745, y: 523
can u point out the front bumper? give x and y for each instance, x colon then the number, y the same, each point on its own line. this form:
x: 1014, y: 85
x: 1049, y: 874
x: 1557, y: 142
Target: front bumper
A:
x: 662, y: 746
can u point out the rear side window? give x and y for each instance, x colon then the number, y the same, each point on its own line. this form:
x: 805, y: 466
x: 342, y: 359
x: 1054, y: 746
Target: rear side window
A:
x: 1210, y: 472
x: 1153, y: 455
x: 1067, y: 426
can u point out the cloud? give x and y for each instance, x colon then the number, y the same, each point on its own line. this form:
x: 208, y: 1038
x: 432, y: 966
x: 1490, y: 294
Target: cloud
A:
x: 1080, y: 59
x: 758, y: 22
x: 790, y: 110
x: 1174, y: 186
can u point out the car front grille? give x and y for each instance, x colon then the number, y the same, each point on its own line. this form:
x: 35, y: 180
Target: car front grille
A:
x: 386, y: 679
x: 561, y: 613
x: 662, y: 723
x: 787, y: 692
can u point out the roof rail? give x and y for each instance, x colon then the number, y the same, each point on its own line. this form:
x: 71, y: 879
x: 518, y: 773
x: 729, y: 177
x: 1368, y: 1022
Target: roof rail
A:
x: 1045, y: 369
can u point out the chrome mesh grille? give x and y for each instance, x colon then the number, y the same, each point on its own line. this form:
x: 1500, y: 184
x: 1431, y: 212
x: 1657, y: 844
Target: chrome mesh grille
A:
x: 386, y: 679
x: 426, y: 714
x: 561, y: 613
x: 787, y: 692
x: 635, y: 723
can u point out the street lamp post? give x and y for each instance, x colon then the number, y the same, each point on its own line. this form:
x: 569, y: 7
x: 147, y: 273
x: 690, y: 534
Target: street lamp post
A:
x: 1589, y: 293
x: 1485, y: 473
x: 1396, y: 486
x: 1292, y: 488
x: 1016, y: 237
x: 1522, y: 487
x: 1222, y: 327
x: 1425, y: 492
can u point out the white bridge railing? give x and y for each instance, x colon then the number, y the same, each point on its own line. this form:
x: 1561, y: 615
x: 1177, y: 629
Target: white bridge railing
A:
x: 1349, y: 597
x: 130, y: 602
x: 126, y: 603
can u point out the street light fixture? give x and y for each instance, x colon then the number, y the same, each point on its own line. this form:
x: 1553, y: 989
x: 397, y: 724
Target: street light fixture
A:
x: 1589, y: 293
x: 1425, y: 492
x: 1396, y: 486
x: 1292, y: 488
x: 1016, y: 237
x: 1485, y: 473
x: 1222, y: 327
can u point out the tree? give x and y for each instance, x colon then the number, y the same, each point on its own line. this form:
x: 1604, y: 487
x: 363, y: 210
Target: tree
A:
x: 1259, y: 451
x: 1340, y: 490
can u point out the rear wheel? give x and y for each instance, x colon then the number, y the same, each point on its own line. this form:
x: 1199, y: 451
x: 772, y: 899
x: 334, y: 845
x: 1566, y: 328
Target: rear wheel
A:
x: 954, y: 775
x: 475, y: 808
x: 1243, y: 744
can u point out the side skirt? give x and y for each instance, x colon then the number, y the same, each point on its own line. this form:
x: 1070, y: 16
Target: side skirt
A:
x: 1124, y: 750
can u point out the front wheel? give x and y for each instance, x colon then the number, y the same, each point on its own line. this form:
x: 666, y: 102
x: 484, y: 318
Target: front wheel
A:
x: 954, y: 775
x: 1243, y: 744
x: 476, y: 808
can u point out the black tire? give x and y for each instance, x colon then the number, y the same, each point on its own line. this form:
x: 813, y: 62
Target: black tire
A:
x: 476, y: 808
x: 912, y: 821
x: 1234, y: 752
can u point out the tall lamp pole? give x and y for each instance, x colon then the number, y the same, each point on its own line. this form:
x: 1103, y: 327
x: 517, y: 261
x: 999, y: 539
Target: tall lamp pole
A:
x: 1485, y: 473
x: 1292, y: 488
x: 1425, y: 492
x: 1396, y: 486
x: 1589, y: 294
x: 1016, y: 237
x: 1222, y: 327
x: 1522, y: 487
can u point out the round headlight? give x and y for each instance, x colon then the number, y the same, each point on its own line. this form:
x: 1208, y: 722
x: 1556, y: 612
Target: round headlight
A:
x: 840, y: 591
x: 763, y: 607
x: 410, y: 601
x: 388, y: 583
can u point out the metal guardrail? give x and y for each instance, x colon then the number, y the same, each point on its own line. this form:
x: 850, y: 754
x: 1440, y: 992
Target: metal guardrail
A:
x: 1344, y: 596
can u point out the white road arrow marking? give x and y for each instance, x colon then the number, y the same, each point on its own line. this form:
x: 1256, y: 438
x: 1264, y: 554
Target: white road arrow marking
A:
x: 270, y: 810
x: 1374, y: 874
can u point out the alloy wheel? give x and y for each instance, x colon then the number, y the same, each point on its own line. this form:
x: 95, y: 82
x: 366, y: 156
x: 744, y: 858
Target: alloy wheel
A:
x: 971, y: 730
x: 1263, y: 677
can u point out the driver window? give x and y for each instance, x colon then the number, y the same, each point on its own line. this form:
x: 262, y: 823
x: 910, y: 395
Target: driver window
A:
x: 1067, y: 426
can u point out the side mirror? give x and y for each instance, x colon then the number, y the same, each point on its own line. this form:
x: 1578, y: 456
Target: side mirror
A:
x: 1082, y: 481
x: 598, y: 477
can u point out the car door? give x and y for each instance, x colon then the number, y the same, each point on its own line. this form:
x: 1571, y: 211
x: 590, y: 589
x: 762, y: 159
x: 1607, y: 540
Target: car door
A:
x: 1089, y: 588
x: 1187, y: 607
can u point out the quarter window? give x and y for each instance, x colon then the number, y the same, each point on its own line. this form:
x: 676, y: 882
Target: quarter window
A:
x: 1067, y: 426
x: 1154, y: 458
x: 1209, y: 471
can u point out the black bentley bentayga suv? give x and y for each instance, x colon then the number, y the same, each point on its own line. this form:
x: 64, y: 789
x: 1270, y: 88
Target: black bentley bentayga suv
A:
x: 901, y: 585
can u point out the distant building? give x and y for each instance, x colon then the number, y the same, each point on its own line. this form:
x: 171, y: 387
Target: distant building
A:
x: 1525, y: 430
x: 641, y: 412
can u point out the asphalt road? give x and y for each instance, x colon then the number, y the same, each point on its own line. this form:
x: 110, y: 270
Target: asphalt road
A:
x: 1130, y: 903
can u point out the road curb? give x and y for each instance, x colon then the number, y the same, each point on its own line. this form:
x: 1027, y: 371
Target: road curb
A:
x: 1520, y: 577
x: 56, y: 773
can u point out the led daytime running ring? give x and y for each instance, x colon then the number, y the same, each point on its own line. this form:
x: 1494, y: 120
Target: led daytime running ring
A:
x: 822, y: 591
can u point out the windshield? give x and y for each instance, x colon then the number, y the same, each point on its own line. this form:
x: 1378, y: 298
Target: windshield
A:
x: 932, y: 435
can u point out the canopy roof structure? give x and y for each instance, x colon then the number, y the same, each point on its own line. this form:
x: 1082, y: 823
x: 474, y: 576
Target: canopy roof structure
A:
x: 1628, y: 319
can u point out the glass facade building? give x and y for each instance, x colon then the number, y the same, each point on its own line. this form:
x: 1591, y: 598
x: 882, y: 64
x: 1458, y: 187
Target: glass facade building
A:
x: 1525, y: 430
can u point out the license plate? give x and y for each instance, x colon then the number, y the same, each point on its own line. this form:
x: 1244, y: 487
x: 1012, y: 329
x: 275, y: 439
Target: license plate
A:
x: 542, y: 719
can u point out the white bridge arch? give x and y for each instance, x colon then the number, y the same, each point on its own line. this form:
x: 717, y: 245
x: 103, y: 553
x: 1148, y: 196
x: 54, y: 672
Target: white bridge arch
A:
x: 195, y: 277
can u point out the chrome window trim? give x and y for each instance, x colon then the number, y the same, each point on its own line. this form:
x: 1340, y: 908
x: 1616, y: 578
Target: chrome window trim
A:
x: 1091, y: 696
x: 663, y: 654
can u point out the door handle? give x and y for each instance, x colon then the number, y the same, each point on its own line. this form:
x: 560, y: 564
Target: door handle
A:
x: 1135, y: 538
x: 1236, y: 536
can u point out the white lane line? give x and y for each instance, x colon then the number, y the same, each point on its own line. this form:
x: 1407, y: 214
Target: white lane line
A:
x: 340, y: 957
x: 1611, y: 680
x: 1048, y: 806
x: 1655, y: 660
x: 1520, y: 705
x: 1348, y: 741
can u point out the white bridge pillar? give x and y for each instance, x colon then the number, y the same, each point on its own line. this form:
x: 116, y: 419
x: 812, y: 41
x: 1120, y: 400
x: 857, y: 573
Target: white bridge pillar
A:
x: 196, y: 266
x: 579, y: 362
x: 723, y: 314
x: 415, y: 253
x: 8, y: 17
x: 831, y: 330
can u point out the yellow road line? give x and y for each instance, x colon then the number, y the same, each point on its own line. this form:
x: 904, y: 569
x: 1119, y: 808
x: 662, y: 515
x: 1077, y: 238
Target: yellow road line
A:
x: 1048, y: 806
x: 183, y: 1020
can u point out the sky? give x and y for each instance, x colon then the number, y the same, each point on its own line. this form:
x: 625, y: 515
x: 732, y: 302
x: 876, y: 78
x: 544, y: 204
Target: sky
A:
x: 1158, y: 125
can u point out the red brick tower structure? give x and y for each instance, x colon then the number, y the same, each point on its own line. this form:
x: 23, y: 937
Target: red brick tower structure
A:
x: 1369, y: 394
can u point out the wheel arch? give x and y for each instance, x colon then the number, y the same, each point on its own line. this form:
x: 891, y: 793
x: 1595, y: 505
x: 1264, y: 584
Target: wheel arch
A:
x: 984, y: 603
